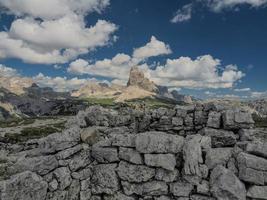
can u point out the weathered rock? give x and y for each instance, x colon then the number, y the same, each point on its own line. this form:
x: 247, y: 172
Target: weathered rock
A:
x: 177, y: 121
x: 237, y: 119
x: 62, y: 155
x: 123, y: 140
x: 201, y: 197
x: 247, y: 134
x: 192, y: 153
x: 166, y: 161
x: 104, y: 179
x: 166, y: 175
x: 153, y: 188
x: 80, y: 160
x: 118, y: 196
x: 158, y: 142
x: 252, y: 169
x: 225, y: 185
x: 26, y: 185
x: 181, y: 189
x: 74, y: 190
x: 257, y: 148
x: 220, y: 138
x: 41, y: 165
x: 91, y: 135
x: 63, y: 177
x: 57, y: 195
x: 135, y: 173
x: 218, y: 156
x: 257, y: 192
x: 105, y: 155
x: 130, y: 155
x: 203, y: 188
x: 82, y: 174
x: 214, y: 119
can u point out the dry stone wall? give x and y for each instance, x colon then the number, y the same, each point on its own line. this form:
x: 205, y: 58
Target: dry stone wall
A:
x: 200, y: 152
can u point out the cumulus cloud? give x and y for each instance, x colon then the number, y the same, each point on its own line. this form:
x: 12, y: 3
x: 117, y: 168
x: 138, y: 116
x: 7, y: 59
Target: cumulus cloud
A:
x: 7, y: 71
x: 258, y: 95
x: 242, y: 89
x: 52, y: 9
x: 183, y: 14
x: 153, y: 48
x: 57, y: 38
x: 60, y: 84
x: 203, y: 72
x: 219, y: 5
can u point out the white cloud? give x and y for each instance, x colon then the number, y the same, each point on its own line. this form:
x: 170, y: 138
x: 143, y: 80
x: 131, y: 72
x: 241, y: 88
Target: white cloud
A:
x: 242, y: 90
x: 258, y: 95
x: 60, y: 84
x: 52, y: 9
x: 7, y: 71
x: 203, y: 72
x: 183, y: 14
x: 219, y: 5
x: 52, y: 40
x: 153, y: 48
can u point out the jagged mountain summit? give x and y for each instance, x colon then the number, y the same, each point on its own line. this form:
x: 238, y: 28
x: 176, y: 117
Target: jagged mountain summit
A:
x: 138, y: 87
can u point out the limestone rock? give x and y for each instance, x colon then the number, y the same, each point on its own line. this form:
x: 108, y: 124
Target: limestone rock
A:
x: 130, y: 155
x: 153, y: 188
x: 257, y: 192
x: 252, y: 168
x: 218, y: 156
x: 26, y: 185
x: 90, y: 135
x: 135, y: 173
x: 257, y: 148
x: 105, y: 155
x: 166, y: 175
x: 181, y: 189
x: 166, y: 161
x: 220, y: 138
x: 63, y: 177
x: 158, y: 142
x: 237, y: 119
x: 41, y: 165
x: 104, y: 179
x: 214, y: 120
x: 225, y: 185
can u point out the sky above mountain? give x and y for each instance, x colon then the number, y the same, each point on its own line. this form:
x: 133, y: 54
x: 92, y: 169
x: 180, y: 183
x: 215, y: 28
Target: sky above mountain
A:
x: 205, y: 48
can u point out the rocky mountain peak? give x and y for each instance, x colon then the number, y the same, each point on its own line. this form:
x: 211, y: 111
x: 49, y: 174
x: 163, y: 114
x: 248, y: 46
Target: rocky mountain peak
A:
x: 137, y: 78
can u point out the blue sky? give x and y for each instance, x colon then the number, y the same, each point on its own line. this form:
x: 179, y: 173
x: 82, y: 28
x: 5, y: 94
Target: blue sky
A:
x: 233, y: 33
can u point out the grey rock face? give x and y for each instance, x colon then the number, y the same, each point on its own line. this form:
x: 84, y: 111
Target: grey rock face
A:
x: 104, y: 179
x: 153, y: 188
x: 257, y: 192
x: 158, y: 142
x: 236, y: 119
x: 225, y: 185
x: 135, y: 173
x: 257, y: 148
x: 118, y: 196
x: 220, y: 138
x: 80, y: 160
x: 105, y: 155
x: 218, y: 156
x: 90, y: 135
x: 41, y: 165
x: 63, y: 177
x: 166, y: 175
x: 130, y: 155
x: 181, y: 189
x: 26, y: 185
x: 166, y: 161
x: 214, y: 119
x: 252, y: 168
x: 123, y: 140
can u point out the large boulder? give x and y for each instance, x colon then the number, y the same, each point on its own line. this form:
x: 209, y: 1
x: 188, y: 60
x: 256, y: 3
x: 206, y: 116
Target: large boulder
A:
x: 158, y: 142
x: 26, y: 185
x: 225, y: 185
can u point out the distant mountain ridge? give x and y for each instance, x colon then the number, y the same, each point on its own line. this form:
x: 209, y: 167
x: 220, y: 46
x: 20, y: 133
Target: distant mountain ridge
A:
x: 138, y: 87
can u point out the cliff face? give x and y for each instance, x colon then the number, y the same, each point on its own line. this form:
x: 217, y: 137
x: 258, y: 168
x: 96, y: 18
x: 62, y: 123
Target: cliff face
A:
x: 137, y: 78
x: 190, y: 152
